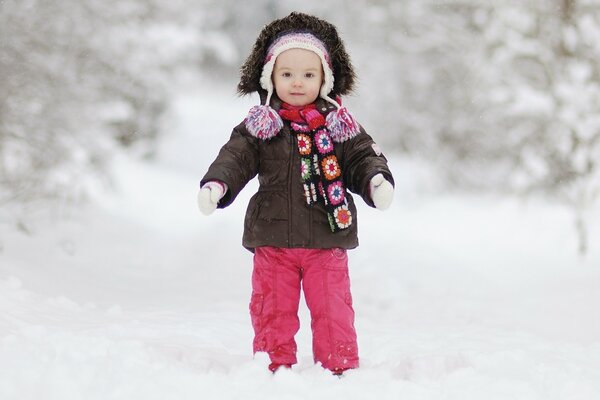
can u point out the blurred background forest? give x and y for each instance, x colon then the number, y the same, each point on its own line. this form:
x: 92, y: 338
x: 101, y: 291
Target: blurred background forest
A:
x: 498, y: 96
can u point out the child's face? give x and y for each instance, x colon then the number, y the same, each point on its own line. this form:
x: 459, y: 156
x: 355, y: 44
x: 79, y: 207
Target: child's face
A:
x: 298, y: 76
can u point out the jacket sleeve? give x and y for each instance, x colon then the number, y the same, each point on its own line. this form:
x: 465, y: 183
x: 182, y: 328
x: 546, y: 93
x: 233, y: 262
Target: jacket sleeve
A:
x: 236, y: 164
x: 361, y: 161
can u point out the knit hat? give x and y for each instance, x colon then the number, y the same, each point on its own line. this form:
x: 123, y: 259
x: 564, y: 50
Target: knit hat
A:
x: 341, y: 64
x: 264, y: 122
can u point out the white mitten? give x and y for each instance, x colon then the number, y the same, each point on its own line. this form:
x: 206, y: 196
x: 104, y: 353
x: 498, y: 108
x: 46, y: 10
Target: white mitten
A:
x: 382, y: 192
x: 209, y: 196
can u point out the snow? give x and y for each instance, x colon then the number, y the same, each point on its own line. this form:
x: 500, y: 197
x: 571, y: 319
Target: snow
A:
x: 138, y: 296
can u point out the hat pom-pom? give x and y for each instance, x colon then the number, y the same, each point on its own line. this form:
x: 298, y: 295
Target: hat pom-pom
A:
x: 342, y: 125
x: 263, y: 122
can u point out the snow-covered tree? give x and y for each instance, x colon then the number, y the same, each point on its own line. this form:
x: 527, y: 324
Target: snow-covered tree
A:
x: 79, y: 77
x: 535, y: 103
x: 503, y: 95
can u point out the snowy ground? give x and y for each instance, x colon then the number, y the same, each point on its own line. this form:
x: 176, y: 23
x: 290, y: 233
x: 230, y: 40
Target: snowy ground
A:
x: 138, y: 296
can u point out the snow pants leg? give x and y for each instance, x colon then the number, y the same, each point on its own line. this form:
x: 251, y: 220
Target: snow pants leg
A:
x: 274, y: 304
x: 276, y: 281
x: 326, y: 285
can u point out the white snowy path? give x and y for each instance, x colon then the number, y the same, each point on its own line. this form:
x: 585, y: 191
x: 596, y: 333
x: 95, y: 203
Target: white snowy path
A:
x: 137, y: 296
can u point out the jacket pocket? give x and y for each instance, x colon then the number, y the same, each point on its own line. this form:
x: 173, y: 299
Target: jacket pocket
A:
x: 272, y: 206
x: 251, y: 212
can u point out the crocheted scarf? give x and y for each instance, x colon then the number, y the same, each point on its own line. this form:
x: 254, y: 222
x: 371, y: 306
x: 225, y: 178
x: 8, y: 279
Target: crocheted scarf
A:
x: 319, y: 167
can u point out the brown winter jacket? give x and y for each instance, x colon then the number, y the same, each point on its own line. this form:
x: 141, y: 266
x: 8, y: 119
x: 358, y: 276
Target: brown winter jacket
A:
x: 278, y: 214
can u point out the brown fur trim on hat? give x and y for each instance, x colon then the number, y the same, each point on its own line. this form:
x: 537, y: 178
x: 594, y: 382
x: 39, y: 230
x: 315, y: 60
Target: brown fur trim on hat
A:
x: 343, y: 72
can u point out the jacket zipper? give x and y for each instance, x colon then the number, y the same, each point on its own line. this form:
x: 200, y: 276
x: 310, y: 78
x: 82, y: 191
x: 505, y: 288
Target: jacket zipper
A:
x: 290, y: 187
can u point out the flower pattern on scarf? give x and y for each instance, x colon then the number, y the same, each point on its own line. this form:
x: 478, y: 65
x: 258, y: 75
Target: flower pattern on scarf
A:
x: 324, y: 142
x: 343, y: 216
x: 305, y: 168
x: 331, y: 168
x: 304, y: 144
x: 335, y: 193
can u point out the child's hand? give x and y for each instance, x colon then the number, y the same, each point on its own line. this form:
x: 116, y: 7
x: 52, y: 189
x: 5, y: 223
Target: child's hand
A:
x: 382, y: 192
x: 209, y: 196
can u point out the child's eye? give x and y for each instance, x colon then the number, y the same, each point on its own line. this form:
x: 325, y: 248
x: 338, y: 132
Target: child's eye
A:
x: 309, y: 75
x: 286, y: 74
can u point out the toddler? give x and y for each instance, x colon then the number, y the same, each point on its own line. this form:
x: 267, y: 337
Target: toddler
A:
x: 309, y: 154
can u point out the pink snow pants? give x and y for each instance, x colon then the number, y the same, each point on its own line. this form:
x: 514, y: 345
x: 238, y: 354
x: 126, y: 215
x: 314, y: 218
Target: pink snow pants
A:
x: 276, y: 279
